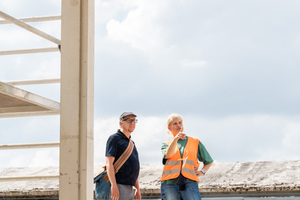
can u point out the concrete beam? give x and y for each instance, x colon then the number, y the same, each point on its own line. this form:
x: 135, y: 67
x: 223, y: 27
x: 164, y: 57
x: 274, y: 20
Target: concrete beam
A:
x: 16, y: 102
x: 29, y: 146
x: 77, y: 100
x: 33, y: 82
x: 26, y: 51
x: 34, y: 19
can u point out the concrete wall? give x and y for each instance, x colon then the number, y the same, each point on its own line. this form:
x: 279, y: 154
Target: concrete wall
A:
x: 238, y: 180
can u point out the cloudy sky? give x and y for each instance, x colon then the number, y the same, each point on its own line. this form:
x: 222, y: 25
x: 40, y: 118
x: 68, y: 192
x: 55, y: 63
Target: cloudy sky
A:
x: 230, y: 68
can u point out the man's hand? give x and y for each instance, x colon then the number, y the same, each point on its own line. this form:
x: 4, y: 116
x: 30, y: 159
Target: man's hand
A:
x: 199, y: 173
x: 180, y: 135
x: 114, y: 192
x: 138, y: 195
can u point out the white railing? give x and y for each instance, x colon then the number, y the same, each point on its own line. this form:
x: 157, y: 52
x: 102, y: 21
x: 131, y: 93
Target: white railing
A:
x: 32, y: 82
x: 27, y: 146
x: 34, y: 19
x: 25, y: 51
x: 29, y: 28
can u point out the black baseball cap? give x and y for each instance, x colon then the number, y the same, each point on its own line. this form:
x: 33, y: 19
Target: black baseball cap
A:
x: 124, y: 114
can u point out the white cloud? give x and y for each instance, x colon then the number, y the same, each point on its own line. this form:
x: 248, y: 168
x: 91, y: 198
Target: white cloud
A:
x: 29, y: 129
x: 49, y: 68
x: 105, y: 10
x: 12, y: 5
x: 233, y: 76
x: 14, y: 38
x: 193, y: 64
x: 139, y: 28
x: 18, y: 161
x: 17, y: 8
x: 29, y: 157
x: 292, y: 136
x: 103, y: 129
x: 232, y: 138
x: 249, y: 137
x: 45, y: 158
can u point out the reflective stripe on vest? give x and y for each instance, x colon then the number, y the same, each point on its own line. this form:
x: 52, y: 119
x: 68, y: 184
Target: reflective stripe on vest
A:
x: 172, y: 162
x: 188, y: 171
x: 189, y: 163
x: 168, y: 172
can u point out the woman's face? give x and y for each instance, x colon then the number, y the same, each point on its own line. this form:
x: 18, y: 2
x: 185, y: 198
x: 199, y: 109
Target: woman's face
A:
x: 175, y: 126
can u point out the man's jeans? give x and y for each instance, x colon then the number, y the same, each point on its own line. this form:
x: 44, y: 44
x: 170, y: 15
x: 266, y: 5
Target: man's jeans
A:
x: 171, y: 192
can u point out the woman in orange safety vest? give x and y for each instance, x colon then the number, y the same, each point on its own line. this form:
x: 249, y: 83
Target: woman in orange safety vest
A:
x: 181, y: 156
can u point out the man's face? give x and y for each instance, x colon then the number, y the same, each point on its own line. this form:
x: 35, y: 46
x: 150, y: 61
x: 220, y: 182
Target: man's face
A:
x: 175, y: 126
x: 128, y: 123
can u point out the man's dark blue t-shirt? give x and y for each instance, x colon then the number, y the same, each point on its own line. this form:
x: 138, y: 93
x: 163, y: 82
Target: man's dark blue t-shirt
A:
x: 129, y: 172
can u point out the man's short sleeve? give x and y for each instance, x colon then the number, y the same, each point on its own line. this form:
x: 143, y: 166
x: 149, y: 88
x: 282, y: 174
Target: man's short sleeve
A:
x: 203, y: 155
x: 111, y: 147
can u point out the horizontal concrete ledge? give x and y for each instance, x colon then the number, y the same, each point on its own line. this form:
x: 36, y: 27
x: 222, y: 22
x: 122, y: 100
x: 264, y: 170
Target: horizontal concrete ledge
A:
x: 236, y: 179
x: 29, y: 194
x: 251, y: 194
x: 16, y: 102
x: 257, y: 193
x: 248, y: 196
x: 249, y: 190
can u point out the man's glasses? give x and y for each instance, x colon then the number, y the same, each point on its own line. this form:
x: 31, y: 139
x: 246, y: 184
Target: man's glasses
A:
x: 129, y: 121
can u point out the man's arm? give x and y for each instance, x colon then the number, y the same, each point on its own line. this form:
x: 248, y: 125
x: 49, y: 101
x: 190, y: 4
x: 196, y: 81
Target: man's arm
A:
x: 205, y: 167
x: 203, y: 156
x: 172, y: 147
x: 112, y: 178
x: 138, y: 192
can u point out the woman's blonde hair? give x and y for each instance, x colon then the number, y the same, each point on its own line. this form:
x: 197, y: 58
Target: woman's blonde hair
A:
x: 172, y: 117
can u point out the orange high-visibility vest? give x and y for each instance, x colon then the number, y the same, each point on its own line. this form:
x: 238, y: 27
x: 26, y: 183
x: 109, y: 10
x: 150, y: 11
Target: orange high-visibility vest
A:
x: 189, y: 162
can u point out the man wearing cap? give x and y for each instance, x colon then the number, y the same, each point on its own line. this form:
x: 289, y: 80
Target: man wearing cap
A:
x: 123, y: 181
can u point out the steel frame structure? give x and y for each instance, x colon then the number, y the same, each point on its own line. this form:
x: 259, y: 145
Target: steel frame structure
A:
x: 77, y: 96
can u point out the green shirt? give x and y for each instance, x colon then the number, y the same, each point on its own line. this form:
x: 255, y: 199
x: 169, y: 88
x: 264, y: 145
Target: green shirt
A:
x: 202, y: 156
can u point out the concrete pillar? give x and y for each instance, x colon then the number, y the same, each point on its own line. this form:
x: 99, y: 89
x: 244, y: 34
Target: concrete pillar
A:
x: 77, y: 100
